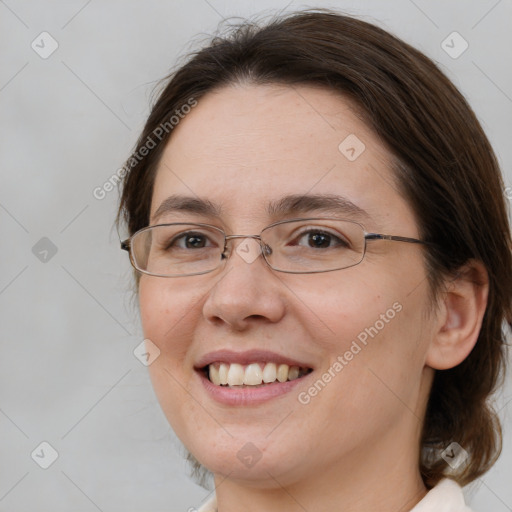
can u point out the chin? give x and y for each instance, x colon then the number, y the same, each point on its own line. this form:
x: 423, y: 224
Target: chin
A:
x: 256, y: 462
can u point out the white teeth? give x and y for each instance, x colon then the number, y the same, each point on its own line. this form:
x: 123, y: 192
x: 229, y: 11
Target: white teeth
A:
x: 293, y: 373
x: 282, y: 372
x: 236, y: 374
x: 252, y: 375
x: 223, y: 373
x: 214, y: 375
x: 269, y: 372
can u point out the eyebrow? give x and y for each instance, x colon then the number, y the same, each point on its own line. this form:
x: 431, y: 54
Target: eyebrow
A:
x: 178, y: 203
x: 293, y: 204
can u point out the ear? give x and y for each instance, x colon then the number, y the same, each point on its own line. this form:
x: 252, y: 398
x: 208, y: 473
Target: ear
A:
x: 461, y: 310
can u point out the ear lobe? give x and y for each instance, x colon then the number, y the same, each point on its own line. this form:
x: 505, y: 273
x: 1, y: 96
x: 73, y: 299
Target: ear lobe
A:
x: 461, y: 311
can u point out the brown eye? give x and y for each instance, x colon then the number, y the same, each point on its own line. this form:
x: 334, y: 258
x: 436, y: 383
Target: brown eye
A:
x: 189, y: 240
x: 318, y: 239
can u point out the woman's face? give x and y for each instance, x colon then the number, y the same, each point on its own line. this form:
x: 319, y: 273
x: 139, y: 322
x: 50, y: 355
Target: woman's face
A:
x: 363, y: 331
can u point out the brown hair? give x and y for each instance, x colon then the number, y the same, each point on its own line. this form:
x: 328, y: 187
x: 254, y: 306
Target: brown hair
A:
x: 444, y: 166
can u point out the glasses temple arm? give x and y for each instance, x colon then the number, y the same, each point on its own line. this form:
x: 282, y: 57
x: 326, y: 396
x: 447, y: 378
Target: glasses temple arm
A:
x: 379, y: 236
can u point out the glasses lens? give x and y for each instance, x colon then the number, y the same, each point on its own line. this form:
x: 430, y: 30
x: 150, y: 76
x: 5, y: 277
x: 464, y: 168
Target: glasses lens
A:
x: 177, y: 249
x: 314, y: 245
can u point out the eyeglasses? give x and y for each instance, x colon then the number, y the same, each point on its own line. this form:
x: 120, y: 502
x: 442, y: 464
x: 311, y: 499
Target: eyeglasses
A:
x: 297, y: 246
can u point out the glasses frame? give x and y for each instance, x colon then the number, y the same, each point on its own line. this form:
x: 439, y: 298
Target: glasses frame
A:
x: 126, y: 244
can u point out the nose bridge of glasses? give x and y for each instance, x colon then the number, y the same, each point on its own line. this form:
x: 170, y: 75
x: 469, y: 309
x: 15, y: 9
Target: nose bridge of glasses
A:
x: 227, y: 238
x: 265, y: 248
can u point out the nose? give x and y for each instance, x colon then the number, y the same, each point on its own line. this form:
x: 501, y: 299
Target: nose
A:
x: 246, y: 291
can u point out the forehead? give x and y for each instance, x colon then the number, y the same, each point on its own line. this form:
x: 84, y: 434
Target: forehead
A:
x: 244, y: 146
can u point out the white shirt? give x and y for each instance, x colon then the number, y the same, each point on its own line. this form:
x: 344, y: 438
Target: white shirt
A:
x: 446, y: 496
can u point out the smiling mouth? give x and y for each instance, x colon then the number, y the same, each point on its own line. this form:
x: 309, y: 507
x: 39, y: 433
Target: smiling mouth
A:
x: 256, y: 374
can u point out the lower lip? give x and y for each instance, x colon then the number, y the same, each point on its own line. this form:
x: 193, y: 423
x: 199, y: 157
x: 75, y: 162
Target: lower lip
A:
x: 248, y: 395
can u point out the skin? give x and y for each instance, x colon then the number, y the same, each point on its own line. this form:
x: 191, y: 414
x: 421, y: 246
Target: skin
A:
x: 356, y: 443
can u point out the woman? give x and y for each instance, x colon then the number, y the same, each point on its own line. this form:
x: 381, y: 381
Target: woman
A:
x: 323, y: 265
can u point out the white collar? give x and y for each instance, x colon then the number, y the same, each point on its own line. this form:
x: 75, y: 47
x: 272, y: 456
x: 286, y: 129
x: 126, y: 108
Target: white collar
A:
x: 446, y: 496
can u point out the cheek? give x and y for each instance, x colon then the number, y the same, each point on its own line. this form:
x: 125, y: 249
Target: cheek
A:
x: 356, y: 307
x: 154, y: 305
x: 373, y: 332
x: 163, y: 314
x: 170, y: 315
x: 373, y: 379
x: 166, y: 315
x: 164, y: 307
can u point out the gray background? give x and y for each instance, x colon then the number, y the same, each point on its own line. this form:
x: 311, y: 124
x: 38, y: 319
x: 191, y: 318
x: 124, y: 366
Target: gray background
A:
x: 68, y: 375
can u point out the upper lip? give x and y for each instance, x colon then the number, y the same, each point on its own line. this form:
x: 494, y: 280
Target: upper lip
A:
x: 247, y: 357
